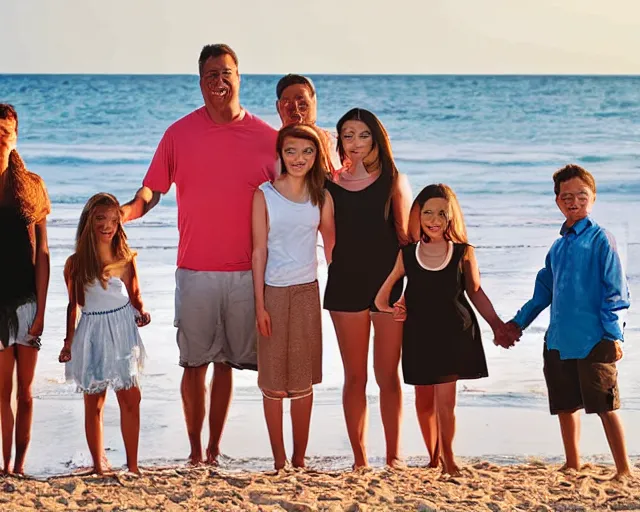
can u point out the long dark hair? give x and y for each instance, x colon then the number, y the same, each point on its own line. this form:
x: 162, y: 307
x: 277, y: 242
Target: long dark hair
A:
x: 26, y: 190
x: 381, y: 150
x: 316, y: 176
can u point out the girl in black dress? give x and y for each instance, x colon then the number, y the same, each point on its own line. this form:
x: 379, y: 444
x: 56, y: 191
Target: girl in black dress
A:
x: 24, y: 258
x: 441, y: 341
x: 371, y: 203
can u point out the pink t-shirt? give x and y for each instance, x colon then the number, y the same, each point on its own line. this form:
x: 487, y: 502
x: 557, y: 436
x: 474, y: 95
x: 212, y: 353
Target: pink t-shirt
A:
x: 216, y: 169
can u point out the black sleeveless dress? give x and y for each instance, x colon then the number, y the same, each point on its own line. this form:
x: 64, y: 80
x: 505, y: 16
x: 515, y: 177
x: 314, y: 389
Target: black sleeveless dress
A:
x: 366, y: 247
x: 441, y: 338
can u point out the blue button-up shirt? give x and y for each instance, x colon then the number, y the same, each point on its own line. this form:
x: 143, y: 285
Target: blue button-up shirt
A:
x: 585, y: 284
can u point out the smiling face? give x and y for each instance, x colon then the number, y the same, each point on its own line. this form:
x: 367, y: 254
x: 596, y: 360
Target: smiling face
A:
x: 356, y: 139
x: 434, y: 218
x: 575, y: 200
x: 220, y: 82
x: 297, y: 105
x: 298, y: 156
x: 106, y: 221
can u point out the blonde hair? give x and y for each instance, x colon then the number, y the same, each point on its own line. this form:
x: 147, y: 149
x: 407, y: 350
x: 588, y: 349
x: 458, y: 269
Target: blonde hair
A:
x: 86, y: 266
x: 456, y: 231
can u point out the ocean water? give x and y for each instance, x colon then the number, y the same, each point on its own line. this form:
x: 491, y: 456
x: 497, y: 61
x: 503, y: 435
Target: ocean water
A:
x: 495, y: 139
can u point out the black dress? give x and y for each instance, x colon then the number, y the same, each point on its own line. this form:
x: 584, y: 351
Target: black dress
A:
x: 441, y: 339
x: 366, y: 247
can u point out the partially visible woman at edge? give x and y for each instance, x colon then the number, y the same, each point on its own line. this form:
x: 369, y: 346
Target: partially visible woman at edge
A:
x: 24, y: 257
x: 371, y: 206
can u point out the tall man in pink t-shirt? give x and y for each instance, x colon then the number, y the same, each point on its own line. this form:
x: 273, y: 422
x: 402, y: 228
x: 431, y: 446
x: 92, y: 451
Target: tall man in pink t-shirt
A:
x: 217, y: 156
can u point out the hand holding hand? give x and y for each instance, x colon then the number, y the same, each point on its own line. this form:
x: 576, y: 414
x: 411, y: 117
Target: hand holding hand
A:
x: 507, y: 334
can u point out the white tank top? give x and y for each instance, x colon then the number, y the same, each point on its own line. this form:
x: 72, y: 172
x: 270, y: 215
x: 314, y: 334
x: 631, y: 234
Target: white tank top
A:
x: 292, y: 240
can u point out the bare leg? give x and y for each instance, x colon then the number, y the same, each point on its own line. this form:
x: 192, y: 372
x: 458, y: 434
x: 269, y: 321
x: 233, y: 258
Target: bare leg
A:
x: 445, y: 405
x: 570, y: 429
x: 428, y: 420
x: 387, y: 346
x: 193, y: 396
x: 273, y: 417
x: 7, y: 365
x: 221, y: 390
x: 93, y: 414
x: 129, y: 402
x: 300, y: 421
x: 615, y: 436
x: 26, y: 357
x: 352, y: 331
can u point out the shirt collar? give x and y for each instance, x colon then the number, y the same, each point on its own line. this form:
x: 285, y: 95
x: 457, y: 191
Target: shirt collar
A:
x: 577, y: 228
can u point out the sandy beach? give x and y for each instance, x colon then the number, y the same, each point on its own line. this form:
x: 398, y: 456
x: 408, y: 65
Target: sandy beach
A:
x: 483, y: 486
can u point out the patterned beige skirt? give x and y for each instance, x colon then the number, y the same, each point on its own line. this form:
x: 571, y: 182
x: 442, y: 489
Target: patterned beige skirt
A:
x: 290, y: 360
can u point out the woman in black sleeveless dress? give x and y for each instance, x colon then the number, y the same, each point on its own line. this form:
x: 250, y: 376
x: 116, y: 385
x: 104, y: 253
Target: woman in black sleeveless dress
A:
x: 371, y: 207
x: 441, y: 340
x: 24, y: 257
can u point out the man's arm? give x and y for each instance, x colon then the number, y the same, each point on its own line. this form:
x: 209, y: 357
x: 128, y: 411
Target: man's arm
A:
x: 144, y: 200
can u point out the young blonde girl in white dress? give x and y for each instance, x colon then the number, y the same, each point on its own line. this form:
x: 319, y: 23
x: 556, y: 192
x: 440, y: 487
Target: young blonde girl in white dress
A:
x: 104, y: 347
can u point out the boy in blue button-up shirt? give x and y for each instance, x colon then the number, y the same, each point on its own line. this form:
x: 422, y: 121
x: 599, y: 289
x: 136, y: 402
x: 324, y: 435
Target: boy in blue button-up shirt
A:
x: 584, y: 283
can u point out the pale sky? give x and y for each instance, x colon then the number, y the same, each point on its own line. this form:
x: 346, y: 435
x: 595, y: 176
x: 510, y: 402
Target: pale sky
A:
x: 330, y: 36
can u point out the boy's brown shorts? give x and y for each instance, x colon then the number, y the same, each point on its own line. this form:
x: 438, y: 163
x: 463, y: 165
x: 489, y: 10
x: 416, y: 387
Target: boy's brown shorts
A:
x: 590, y: 383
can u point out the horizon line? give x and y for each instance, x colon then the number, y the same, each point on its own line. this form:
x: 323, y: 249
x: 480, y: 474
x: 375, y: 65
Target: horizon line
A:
x: 604, y: 75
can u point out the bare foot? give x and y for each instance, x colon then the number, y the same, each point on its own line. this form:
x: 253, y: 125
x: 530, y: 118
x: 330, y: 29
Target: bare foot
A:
x: 194, y: 461
x: 104, y: 462
x: 565, y: 467
x: 135, y: 470
x: 212, y: 456
x: 396, y: 463
x: 434, y: 463
x: 449, y: 467
x: 623, y: 476
x: 297, y: 462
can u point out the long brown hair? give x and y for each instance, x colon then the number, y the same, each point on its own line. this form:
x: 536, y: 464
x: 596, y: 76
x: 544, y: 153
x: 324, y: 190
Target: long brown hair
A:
x: 26, y: 190
x: 381, y: 156
x: 316, y: 176
x: 86, y: 265
x: 456, y: 230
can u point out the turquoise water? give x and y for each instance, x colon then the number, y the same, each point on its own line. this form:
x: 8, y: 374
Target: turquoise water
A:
x: 495, y: 140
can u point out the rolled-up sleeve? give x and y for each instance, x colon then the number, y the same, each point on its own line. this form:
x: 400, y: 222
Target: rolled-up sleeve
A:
x: 542, y: 295
x: 615, y: 290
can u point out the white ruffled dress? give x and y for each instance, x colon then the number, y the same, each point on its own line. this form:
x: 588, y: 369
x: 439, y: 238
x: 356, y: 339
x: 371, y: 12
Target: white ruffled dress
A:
x: 107, y: 350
